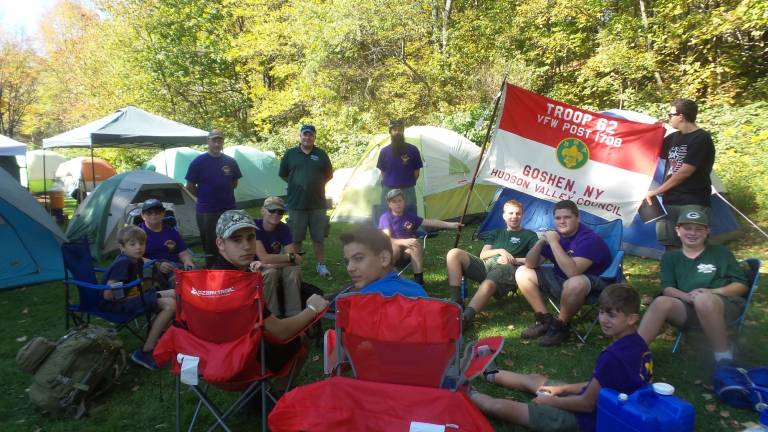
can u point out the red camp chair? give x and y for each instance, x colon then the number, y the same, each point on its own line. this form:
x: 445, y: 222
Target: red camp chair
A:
x: 394, y: 345
x: 219, y: 325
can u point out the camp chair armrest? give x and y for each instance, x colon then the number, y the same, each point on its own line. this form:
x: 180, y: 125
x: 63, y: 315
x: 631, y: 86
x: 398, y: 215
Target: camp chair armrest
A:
x: 272, y: 339
x: 149, y: 263
x: 613, y: 272
x: 101, y: 287
x: 99, y: 269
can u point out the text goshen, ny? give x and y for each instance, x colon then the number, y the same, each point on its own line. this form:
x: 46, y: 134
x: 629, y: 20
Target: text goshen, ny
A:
x: 557, y: 187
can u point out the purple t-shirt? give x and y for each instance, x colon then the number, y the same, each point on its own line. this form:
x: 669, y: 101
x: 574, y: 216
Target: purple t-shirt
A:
x: 585, y: 243
x: 625, y: 366
x: 273, y: 241
x: 400, y: 227
x: 215, y: 179
x: 397, y: 169
x: 163, y: 245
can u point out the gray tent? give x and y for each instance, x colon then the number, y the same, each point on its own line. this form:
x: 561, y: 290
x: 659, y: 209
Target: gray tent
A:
x: 129, y: 127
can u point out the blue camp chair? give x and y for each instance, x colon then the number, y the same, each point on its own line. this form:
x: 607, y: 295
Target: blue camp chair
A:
x: 80, y: 272
x: 752, y: 269
x: 611, y: 232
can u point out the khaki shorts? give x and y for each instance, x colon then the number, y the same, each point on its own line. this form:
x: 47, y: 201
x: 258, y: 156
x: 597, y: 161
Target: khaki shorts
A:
x: 545, y: 418
x: 316, y: 220
x: 732, y: 308
x: 665, y: 227
x: 503, y: 275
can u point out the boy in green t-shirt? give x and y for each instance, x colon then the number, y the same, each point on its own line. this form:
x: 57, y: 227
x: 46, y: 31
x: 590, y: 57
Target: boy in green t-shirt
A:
x: 504, y: 251
x: 702, y: 287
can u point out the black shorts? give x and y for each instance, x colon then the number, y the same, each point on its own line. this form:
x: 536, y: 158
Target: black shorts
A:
x: 552, y: 284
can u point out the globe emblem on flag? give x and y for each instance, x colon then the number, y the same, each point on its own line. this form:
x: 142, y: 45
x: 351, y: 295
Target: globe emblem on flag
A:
x: 572, y: 153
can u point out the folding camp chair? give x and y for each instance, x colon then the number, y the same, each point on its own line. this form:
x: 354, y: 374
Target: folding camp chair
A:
x: 80, y: 272
x: 403, y: 354
x: 612, y: 233
x: 218, y: 335
x: 752, y: 269
x: 420, y: 346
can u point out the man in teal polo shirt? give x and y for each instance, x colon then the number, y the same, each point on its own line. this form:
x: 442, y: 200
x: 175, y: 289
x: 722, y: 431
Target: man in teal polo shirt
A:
x: 307, y: 169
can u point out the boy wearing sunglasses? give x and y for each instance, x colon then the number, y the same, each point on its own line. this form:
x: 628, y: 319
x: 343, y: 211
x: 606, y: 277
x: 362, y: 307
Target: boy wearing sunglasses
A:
x: 278, y: 260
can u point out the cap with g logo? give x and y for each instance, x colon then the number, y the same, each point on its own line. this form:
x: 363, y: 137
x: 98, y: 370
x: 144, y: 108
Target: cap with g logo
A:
x: 693, y: 216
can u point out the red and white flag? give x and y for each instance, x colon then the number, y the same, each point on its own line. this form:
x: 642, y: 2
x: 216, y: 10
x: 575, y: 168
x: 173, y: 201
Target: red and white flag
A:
x: 557, y: 151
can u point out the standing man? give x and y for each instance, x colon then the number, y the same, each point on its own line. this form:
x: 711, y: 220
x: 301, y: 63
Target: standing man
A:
x: 579, y: 256
x: 212, y: 178
x: 400, y: 164
x: 690, y: 155
x: 307, y: 169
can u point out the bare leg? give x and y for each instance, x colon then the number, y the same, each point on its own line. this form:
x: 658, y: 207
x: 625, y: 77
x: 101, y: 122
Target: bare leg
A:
x: 160, y: 323
x: 528, y: 283
x: 523, y: 382
x: 505, y: 409
x: 663, y: 309
x: 484, y: 293
x: 417, y: 258
x: 575, y: 292
x: 710, y: 310
x: 456, y: 262
x: 319, y: 251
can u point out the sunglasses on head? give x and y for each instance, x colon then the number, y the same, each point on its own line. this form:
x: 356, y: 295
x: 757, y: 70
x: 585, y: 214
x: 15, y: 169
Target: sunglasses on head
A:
x: 276, y: 211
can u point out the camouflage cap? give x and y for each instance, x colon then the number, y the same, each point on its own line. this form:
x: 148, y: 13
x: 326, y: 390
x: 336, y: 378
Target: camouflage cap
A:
x: 394, y: 193
x: 274, y: 203
x: 231, y: 221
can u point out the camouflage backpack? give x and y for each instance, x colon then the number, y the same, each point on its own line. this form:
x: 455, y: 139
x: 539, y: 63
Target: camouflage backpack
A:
x: 69, y: 374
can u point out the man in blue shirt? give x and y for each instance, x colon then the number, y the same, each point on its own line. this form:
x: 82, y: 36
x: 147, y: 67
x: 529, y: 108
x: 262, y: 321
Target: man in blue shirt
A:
x: 368, y: 254
x: 212, y: 178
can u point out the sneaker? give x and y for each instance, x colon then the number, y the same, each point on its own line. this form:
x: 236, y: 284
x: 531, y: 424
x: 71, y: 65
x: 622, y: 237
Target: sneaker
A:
x: 144, y: 359
x: 322, y: 270
x: 557, y: 333
x: 539, y: 328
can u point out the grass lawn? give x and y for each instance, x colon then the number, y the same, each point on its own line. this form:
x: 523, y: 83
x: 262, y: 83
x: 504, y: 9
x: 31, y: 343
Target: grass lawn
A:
x: 144, y: 400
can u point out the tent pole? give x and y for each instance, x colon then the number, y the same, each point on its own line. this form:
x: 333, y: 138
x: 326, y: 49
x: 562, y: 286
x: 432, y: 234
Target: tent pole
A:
x: 165, y: 161
x: 93, y: 170
x: 45, y: 187
x: 491, y: 123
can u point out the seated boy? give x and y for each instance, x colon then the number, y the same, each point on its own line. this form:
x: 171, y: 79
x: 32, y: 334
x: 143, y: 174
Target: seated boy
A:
x: 369, y: 259
x: 401, y: 224
x: 702, y: 287
x: 126, y: 268
x: 164, y: 243
x: 280, y: 270
x: 504, y: 251
x: 236, y: 242
x: 625, y: 366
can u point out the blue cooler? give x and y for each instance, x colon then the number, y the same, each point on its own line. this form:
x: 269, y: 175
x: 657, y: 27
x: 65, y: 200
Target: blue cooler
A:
x: 643, y: 411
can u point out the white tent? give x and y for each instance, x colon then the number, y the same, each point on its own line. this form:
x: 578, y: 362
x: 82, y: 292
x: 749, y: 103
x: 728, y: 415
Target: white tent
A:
x: 11, y: 147
x: 41, y: 169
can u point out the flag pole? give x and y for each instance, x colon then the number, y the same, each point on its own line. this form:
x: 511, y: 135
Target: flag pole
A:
x: 491, y: 123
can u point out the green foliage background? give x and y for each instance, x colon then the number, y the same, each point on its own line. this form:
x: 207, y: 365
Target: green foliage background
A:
x: 260, y: 68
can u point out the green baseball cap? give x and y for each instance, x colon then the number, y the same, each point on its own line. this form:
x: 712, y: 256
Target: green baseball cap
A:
x: 693, y: 216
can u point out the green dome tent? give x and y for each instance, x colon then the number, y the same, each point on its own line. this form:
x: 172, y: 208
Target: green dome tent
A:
x: 107, y: 209
x: 260, y: 176
x: 449, y: 162
x: 173, y: 162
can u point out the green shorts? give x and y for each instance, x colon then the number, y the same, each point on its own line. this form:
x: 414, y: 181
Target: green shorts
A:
x: 665, y: 227
x: 732, y: 307
x: 545, y: 418
x: 503, y: 275
x: 316, y: 220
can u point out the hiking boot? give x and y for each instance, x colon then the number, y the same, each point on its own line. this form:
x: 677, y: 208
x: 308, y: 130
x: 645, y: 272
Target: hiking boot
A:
x: 144, y: 359
x: 322, y: 270
x: 557, y: 333
x: 539, y: 328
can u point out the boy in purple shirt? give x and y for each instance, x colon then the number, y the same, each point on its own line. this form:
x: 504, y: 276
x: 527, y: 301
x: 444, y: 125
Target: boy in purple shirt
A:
x: 624, y: 366
x: 164, y: 243
x: 278, y: 261
x: 212, y: 178
x: 401, y: 225
x: 579, y: 256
